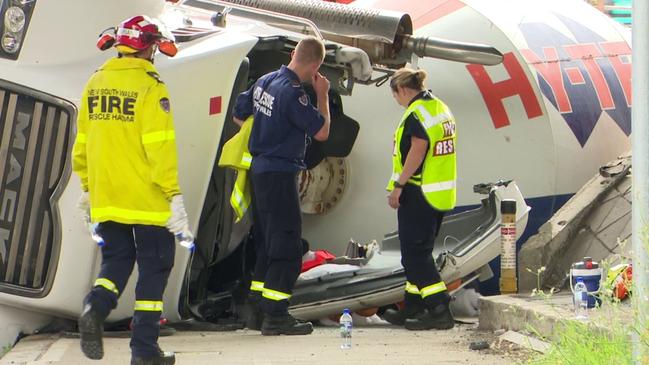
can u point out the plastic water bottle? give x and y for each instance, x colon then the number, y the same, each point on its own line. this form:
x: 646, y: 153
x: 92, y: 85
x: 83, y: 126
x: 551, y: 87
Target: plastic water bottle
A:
x: 93, y: 233
x: 581, y: 299
x: 346, y: 325
x: 186, y: 240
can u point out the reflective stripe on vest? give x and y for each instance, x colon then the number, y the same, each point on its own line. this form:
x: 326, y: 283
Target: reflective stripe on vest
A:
x: 246, y: 160
x: 429, y: 120
x: 148, y: 305
x: 440, y: 186
x: 433, y: 289
x: 275, y: 295
x: 412, y: 288
x: 438, y: 176
x: 257, y: 286
x: 239, y: 201
x: 107, y: 284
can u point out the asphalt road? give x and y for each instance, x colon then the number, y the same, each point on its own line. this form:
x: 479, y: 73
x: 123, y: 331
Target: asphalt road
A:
x: 372, y: 345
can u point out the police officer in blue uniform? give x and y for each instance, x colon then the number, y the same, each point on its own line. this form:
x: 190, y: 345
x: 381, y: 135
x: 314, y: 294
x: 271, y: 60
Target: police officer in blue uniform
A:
x: 284, y: 119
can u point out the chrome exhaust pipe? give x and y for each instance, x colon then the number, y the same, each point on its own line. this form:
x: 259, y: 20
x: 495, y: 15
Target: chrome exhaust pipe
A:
x: 386, y: 36
x: 450, y: 50
x: 340, y: 19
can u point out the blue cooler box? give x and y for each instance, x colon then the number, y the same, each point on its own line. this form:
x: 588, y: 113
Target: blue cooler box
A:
x: 591, y: 274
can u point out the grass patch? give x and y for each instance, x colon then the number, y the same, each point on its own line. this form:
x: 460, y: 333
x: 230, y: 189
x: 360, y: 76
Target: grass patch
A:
x: 579, y: 344
x: 4, y: 350
x: 605, y: 339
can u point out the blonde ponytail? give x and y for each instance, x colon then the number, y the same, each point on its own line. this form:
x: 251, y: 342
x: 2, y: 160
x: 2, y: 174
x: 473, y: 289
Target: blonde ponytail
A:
x: 421, y: 77
x: 408, y: 78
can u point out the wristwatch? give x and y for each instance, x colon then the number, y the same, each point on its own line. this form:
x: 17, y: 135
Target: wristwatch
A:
x: 397, y: 185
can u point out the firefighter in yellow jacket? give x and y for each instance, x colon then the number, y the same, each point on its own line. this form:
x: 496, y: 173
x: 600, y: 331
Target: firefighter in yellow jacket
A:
x: 125, y: 155
x: 422, y: 188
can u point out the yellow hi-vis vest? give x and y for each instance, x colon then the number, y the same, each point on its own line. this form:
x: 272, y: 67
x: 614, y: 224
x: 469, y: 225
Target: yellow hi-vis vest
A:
x: 438, y: 175
x: 235, y: 155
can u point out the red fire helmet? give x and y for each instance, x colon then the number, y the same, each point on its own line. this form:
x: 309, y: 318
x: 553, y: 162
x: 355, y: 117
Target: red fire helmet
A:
x: 138, y: 33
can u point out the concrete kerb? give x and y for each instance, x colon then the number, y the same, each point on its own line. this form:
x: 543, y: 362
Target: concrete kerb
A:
x: 542, y: 317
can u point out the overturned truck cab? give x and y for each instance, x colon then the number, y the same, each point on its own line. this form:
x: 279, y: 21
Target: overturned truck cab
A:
x: 49, y: 260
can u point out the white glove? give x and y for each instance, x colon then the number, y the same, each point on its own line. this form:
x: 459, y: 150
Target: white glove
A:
x: 84, y: 206
x: 177, y: 223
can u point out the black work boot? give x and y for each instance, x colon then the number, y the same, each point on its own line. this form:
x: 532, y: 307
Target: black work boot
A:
x: 439, y: 318
x: 164, y: 358
x: 253, y: 315
x: 284, y: 325
x: 413, y: 306
x: 91, y: 330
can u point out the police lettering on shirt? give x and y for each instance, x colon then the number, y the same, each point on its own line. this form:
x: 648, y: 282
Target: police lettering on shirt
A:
x: 112, y: 104
x: 263, y: 101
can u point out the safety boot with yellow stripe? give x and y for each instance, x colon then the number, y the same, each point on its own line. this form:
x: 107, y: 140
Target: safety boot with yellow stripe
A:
x: 284, y: 325
x: 439, y: 318
x: 398, y: 317
x: 413, y: 306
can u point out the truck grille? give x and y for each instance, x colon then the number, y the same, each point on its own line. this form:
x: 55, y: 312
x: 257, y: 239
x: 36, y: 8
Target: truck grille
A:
x: 35, y: 142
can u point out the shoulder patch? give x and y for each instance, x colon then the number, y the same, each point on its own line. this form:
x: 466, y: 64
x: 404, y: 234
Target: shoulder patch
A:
x: 155, y: 76
x: 304, y: 100
x: 165, y: 104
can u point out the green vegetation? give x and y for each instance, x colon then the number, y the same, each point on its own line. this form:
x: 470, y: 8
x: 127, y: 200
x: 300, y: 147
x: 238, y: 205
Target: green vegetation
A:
x: 607, y: 338
x: 577, y: 343
x: 5, y: 350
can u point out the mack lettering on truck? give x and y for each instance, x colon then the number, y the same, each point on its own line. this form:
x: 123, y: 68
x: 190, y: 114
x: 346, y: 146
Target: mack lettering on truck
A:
x: 35, y: 142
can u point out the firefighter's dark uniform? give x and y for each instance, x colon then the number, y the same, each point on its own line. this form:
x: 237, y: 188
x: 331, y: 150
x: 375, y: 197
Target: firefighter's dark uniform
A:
x: 125, y: 154
x: 284, y: 118
x: 425, y: 197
